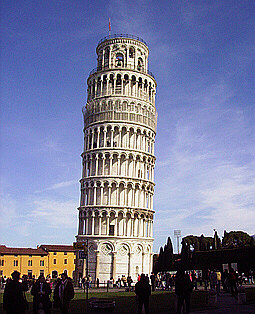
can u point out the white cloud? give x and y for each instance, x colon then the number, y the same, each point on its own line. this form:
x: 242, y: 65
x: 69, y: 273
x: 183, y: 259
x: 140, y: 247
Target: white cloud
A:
x: 204, y: 178
x: 8, y: 210
x: 59, y: 185
x: 56, y: 214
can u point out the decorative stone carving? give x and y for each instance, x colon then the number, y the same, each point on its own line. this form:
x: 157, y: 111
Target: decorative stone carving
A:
x: 123, y: 250
x: 106, y: 249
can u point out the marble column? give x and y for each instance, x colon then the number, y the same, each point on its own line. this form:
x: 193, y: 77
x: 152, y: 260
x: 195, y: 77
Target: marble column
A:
x: 97, y: 264
x: 130, y: 263
x: 114, y: 254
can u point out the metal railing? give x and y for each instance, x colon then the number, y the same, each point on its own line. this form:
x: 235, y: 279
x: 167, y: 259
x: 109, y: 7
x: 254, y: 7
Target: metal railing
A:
x: 128, y: 36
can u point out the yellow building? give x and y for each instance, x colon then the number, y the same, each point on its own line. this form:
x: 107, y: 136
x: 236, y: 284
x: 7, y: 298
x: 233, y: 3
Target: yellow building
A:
x: 46, y: 260
x: 61, y: 258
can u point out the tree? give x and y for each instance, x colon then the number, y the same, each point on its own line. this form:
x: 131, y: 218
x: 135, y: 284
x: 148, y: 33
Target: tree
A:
x: 161, y: 259
x: 185, y: 254
x: 236, y: 239
x: 216, y: 242
x: 168, y: 255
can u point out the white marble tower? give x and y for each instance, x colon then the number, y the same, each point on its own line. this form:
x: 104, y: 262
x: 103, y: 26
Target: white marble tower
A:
x: 117, y: 185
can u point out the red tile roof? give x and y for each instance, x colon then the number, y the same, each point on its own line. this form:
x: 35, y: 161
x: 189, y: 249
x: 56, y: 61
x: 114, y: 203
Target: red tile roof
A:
x: 57, y: 248
x: 21, y: 251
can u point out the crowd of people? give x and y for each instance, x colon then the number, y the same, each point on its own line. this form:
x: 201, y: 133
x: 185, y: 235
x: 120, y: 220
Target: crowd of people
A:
x: 14, y: 298
x: 183, y: 282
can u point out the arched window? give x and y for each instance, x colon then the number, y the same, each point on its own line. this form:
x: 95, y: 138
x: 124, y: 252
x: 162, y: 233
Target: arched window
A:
x: 140, y: 65
x: 131, y: 52
x: 119, y: 60
x: 106, y: 57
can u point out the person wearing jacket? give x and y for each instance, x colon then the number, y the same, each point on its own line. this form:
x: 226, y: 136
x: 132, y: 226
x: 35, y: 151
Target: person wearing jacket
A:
x: 14, y: 301
x: 41, y: 291
x: 143, y: 292
x: 183, y: 290
x: 63, y: 294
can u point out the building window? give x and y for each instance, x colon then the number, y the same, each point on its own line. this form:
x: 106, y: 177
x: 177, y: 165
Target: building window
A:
x: 1, y: 272
x: 54, y: 261
x: 74, y: 261
x: 54, y: 274
x: 15, y: 263
x: 119, y: 60
x: 41, y: 263
x: 65, y: 261
x: 65, y: 253
x: 2, y: 262
x: 55, y: 253
x: 30, y: 262
x: 41, y: 272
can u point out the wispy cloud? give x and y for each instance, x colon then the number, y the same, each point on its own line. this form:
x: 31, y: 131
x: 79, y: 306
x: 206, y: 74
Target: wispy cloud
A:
x: 60, y: 185
x: 209, y: 170
x: 56, y: 214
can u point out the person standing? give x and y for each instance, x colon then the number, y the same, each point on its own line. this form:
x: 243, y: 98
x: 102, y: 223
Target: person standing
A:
x: 213, y: 279
x: 233, y: 282
x: 143, y: 292
x: 218, y: 281
x: 152, y: 278
x: 63, y: 294
x: 14, y: 301
x: 129, y: 282
x: 194, y: 279
x: 183, y: 290
x: 41, y: 291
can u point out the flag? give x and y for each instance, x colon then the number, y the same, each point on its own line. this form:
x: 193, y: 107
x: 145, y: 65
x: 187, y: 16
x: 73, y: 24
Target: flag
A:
x: 109, y: 25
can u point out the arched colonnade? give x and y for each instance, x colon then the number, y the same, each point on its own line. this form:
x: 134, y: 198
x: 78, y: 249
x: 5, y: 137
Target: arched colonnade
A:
x: 118, y: 164
x: 94, y: 222
x: 111, y: 84
x: 116, y: 136
x: 106, y: 193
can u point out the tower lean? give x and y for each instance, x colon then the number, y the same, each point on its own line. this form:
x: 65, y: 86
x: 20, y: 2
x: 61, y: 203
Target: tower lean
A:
x: 117, y: 185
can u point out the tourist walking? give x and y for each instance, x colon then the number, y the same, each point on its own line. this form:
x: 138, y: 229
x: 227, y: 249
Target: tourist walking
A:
x: 63, y: 294
x: 183, y: 290
x: 143, y: 292
x: 41, y: 291
x: 14, y: 300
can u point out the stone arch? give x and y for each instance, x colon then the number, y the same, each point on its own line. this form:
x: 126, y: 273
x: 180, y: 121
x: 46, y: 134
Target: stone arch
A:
x: 104, y: 215
x: 140, y: 64
x: 128, y: 224
x: 121, y: 201
x: 106, y: 248
x: 120, y: 223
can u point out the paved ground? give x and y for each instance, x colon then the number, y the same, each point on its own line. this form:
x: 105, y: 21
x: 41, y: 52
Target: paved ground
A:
x: 228, y: 305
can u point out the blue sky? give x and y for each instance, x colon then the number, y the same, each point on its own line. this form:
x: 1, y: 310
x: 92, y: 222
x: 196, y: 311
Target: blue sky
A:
x: 202, y: 54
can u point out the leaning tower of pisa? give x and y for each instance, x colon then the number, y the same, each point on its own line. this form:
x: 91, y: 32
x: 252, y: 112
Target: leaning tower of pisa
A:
x: 117, y: 185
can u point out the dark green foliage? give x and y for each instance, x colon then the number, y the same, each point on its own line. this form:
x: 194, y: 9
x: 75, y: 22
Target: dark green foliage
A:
x: 236, y: 239
x: 185, y: 253
x: 216, y: 242
x: 168, y: 255
x: 166, y: 258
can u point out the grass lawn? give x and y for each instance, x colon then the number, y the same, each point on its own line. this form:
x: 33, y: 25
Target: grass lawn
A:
x: 160, y: 302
